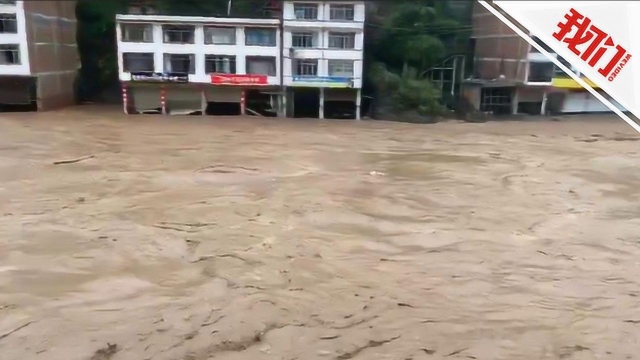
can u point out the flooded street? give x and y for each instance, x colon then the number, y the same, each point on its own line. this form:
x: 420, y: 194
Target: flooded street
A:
x: 195, y: 238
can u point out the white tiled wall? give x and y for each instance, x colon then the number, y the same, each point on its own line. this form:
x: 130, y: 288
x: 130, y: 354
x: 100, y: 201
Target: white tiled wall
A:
x: 200, y: 49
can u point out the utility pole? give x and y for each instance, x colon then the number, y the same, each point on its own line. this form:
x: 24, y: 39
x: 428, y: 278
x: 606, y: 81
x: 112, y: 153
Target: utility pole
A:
x: 229, y: 8
x: 283, y: 89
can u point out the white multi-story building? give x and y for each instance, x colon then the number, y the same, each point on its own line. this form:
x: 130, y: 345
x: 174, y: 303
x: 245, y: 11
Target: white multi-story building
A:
x: 305, y: 63
x: 323, y: 57
x: 198, y: 64
x: 38, y: 54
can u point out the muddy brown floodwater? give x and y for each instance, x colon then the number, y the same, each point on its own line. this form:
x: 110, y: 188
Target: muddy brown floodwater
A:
x: 195, y: 238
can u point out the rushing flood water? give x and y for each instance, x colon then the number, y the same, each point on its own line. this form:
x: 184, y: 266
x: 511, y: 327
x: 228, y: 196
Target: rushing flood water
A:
x: 201, y: 238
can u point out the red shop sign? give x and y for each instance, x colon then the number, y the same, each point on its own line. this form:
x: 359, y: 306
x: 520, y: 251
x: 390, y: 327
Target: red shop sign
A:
x: 232, y: 79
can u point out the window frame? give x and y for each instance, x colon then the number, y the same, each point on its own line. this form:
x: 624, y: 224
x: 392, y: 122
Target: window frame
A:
x: 304, y: 7
x: 209, y: 41
x: 346, y: 9
x: 265, y: 29
x: 188, y: 29
x: 346, y: 36
x: 192, y: 62
x: 126, y: 68
x: 12, y: 17
x: 123, y: 31
x: 301, y: 63
x: 15, y: 50
x: 233, y: 63
x: 335, y: 62
x: 303, y: 36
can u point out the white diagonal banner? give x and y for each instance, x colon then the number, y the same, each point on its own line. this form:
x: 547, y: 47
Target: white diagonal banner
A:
x: 595, y: 37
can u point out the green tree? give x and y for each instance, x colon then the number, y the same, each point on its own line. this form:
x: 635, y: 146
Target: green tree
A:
x: 406, y: 92
x: 409, y: 38
x: 96, y: 39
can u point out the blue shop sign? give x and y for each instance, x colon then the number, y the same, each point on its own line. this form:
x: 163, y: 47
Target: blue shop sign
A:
x: 323, y: 81
x: 160, y: 77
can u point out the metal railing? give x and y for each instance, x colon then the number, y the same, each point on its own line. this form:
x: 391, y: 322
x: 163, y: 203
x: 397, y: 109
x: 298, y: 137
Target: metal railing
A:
x: 447, y: 74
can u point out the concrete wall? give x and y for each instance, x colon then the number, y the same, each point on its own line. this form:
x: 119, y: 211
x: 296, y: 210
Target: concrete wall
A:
x: 321, y: 28
x: 53, y: 52
x: 19, y: 38
x: 498, y: 50
x: 199, y: 48
x: 323, y: 54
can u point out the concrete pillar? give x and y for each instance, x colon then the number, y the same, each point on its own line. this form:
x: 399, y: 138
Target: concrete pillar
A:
x: 291, y: 104
x: 514, y: 101
x: 321, y: 115
x: 163, y: 100
x: 158, y: 56
x: 358, y: 103
x: 243, y: 102
x: 543, y: 108
x: 282, y: 111
x: 203, y: 99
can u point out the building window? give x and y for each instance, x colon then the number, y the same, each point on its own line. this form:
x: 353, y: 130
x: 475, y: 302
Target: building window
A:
x: 496, y: 100
x: 306, y: 11
x: 341, y: 12
x: 220, y: 35
x: 260, y: 37
x: 180, y: 63
x: 261, y: 65
x: 7, y: 2
x: 540, y: 72
x: 342, y: 40
x: 306, y: 67
x: 174, y: 34
x: 302, y: 40
x: 220, y: 64
x: 342, y: 68
x: 137, y: 33
x: 8, y: 24
x: 9, y: 54
x: 137, y: 62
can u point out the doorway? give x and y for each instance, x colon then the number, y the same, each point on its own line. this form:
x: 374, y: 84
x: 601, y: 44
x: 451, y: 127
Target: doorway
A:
x: 306, y: 103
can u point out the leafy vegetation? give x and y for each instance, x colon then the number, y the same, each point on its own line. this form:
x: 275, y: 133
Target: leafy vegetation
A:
x: 405, y: 40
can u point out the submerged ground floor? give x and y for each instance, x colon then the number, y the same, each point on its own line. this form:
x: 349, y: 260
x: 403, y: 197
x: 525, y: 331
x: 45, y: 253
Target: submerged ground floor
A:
x: 182, y: 99
x: 36, y: 93
x: 500, y: 99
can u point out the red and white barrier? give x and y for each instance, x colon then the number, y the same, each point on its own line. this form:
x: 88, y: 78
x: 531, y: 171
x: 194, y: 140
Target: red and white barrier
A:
x: 125, y: 99
x: 243, y: 104
x: 163, y: 100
